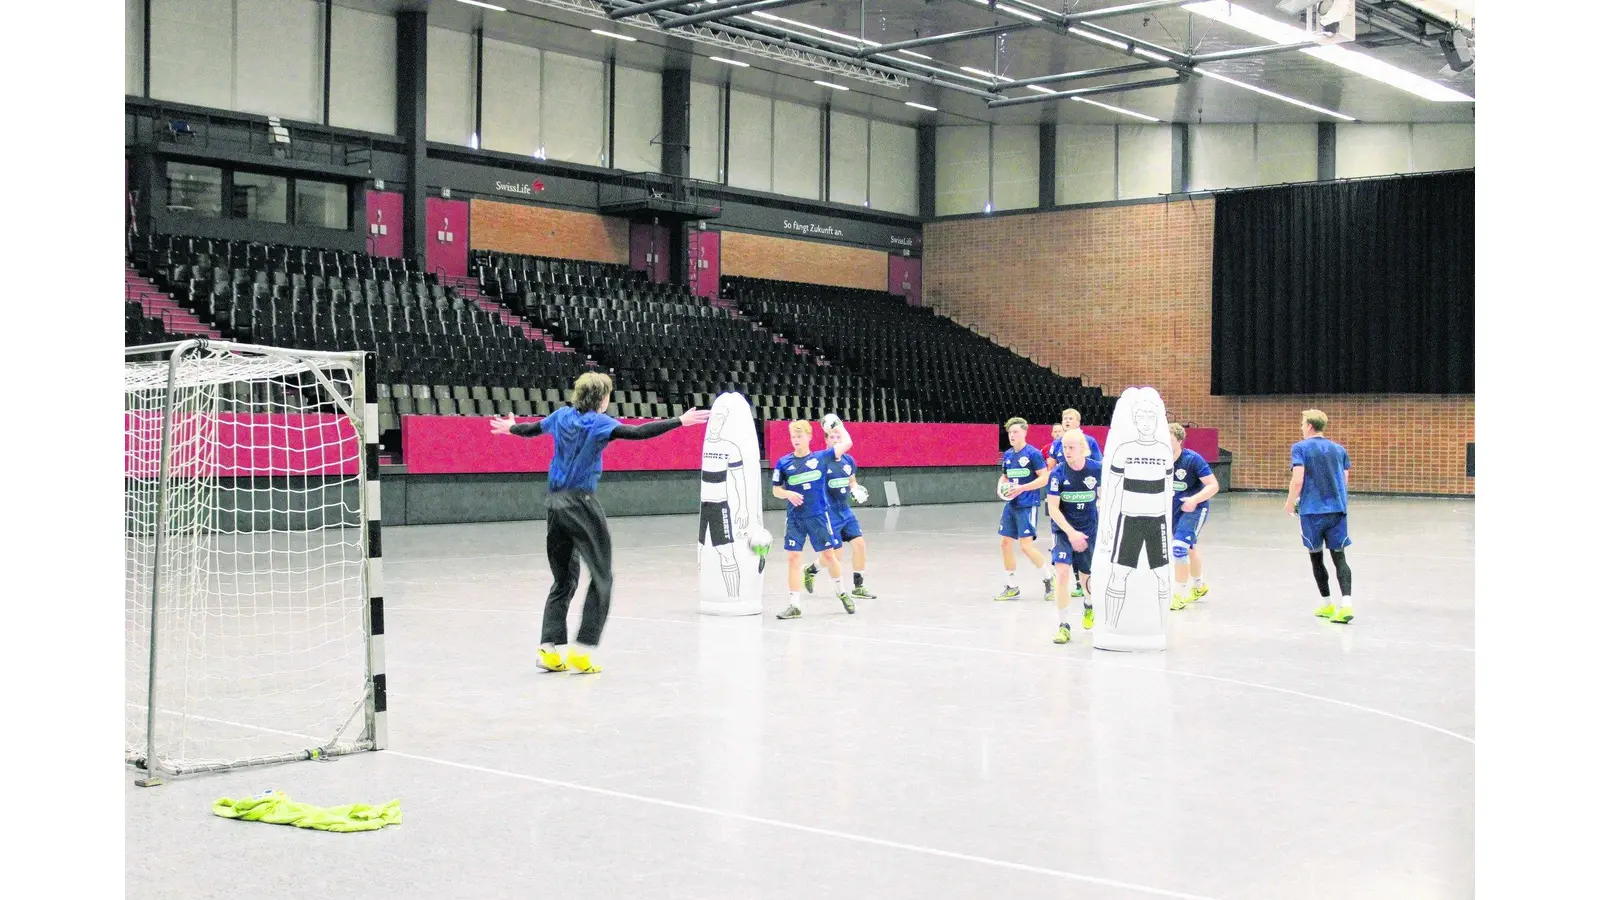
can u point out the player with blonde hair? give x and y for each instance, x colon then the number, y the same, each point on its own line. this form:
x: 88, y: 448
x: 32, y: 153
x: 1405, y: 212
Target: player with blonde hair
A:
x: 1319, y: 494
x: 799, y: 479
x: 1022, y: 474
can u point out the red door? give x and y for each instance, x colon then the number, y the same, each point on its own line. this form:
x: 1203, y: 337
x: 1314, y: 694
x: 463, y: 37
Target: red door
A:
x: 447, y: 236
x: 386, y: 224
x: 705, y: 262
x: 905, y: 278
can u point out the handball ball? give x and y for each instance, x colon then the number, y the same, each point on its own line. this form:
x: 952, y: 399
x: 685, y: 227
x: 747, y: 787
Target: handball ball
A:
x: 760, y: 540
x: 830, y: 422
x: 1004, y: 490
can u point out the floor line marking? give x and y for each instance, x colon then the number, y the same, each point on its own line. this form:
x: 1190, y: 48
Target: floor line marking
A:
x: 757, y: 820
x: 1179, y: 672
x: 1298, y: 550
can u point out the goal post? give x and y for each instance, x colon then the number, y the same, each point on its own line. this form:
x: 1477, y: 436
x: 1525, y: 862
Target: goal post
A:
x: 253, y: 588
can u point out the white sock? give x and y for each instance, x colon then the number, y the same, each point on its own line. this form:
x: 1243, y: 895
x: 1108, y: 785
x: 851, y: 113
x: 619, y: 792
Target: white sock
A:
x: 1011, y: 578
x: 1198, y: 582
x: 1061, y: 613
x: 582, y: 649
x: 548, y: 646
x: 838, y: 585
x: 794, y: 598
x: 1345, y: 601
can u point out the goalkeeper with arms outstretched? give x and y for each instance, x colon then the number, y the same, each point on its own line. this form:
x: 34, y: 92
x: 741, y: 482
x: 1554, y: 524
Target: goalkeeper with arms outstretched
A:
x: 842, y: 491
x: 575, y: 525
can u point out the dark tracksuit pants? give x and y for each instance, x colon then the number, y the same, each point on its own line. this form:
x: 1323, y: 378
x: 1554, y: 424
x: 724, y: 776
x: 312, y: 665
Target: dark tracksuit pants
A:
x: 575, y: 528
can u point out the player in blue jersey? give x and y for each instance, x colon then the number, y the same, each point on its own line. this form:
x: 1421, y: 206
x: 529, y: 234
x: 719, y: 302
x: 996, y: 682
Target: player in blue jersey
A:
x: 1056, y: 457
x: 575, y: 524
x: 843, y: 489
x: 1193, y: 486
x: 801, y: 479
x: 1319, y: 494
x: 1072, y: 420
x: 1074, y: 519
x: 1022, y: 474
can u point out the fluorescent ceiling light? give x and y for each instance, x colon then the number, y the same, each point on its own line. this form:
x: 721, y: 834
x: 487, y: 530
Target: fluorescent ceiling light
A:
x: 1343, y: 57
x: 986, y: 74
x: 1151, y: 54
x: 612, y: 34
x: 1010, y: 9
x: 1109, y: 42
x: 915, y: 54
x: 1040, y: 88
x: 1117, y: 109
x: 484, y: 5
x: 798, y: 24
x: 915, y: 105
x: 1274, y: 95
x: 829, y: 84
x: 730, y: 62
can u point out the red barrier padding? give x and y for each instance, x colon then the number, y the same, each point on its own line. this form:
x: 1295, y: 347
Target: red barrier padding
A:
x: 454, y: 445
x: 879, y: 445
x: 234, y: 445
x: 1201, y: 440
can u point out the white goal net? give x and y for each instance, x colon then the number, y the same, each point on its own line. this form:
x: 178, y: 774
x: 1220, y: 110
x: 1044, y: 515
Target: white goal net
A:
x: 253, y: 610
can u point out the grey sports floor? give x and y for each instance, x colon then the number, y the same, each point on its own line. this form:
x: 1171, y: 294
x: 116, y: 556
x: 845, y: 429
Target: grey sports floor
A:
x: 935, y: 745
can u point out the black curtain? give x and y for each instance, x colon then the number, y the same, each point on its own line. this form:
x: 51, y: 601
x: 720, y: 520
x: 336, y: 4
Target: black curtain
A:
x: 1358, y: 287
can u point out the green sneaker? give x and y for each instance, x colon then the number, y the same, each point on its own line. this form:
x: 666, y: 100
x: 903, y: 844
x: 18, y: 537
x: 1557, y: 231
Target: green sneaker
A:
x: 1343, y: 616
x: 1325, y: 612
x: 1088, y: 618
x: 793, y: 612
x: 849, y: 605
x: 1049, y: 589
x: 1077, y: 591
x: 861, y: 593
x: 811, y: 578
x: 1064, y: 633
x: 1180, y: 600
x: 1010, y: 593
x: 1199, y: 593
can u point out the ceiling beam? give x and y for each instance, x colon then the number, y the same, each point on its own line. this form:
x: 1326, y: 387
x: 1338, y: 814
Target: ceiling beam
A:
x: 938, y: 39
x: 733, y: 9
x: 652, y: 6
x: 1102, y: 72
x: 1243, y: 52
x: 1087, y: 92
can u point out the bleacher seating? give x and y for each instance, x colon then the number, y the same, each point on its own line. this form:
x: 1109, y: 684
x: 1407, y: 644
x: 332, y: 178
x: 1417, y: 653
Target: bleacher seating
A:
x: 660, y: 339
x: 949, y: 373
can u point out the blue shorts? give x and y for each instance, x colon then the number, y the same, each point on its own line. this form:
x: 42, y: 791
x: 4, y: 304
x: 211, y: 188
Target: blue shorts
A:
x: 1079, y: 560
x: 846, y: 527
x: 1017, y: 521
x: 1186, y: 525
x: 817, y: 529
x: 1330, y: 528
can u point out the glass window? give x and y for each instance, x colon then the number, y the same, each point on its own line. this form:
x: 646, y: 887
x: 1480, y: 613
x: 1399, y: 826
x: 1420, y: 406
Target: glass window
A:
x: 322, y: 204
x: 194, y: 190
x: 264, y: 198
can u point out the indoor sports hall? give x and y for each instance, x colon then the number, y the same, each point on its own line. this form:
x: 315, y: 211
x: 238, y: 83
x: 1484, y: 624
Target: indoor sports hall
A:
x: 800, y: 448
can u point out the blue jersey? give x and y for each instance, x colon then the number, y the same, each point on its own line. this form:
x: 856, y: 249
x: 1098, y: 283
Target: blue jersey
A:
x: 1325, y: 463
x: 1060, y: 455
x: 1187, y: 470
x: 579, y: 439
x: 1079, y: 489
x: 1019, y: 467
x: 804, y: 475
x: 839, y: 471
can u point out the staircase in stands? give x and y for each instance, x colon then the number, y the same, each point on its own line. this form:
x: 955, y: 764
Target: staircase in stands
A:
x: 160, y: 305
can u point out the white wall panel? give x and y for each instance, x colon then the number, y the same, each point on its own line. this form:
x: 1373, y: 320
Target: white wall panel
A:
x: 797, y: 146
x: 1144, y: 161
x: 1086, y: 163
x: 452, y: 79
x: 961, y: 169
x: 1435, y: 148
x: 133, y: 47
x: 1286, y: 153
x: 573, y: 109
x: 847, y: 167
x: 893, y: 177
x: 705, y: 131
x: 638, y: 121
x: 362, y: 93
x: 191, y: 52
x: 1016, y: 167
x: 1222, y: 156
x: 750, y: 141
x: 510, y: 98
x: 278, y: 58
x: 1361, y: 150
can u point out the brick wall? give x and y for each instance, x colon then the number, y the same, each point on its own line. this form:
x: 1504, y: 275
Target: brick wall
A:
x: 786, y: 259
x: 1122, y: 296
x: 543, y: 231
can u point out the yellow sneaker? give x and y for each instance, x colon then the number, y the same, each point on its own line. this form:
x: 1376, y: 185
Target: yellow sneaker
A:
x: 1088, y: 618
x: 1325, y: 612
x: 550, y: 661
x: 581, y: 663
x: 1063, y: 633
x: 1343, y: 616
x: 1199, y: 593
x: 1180, y: 600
